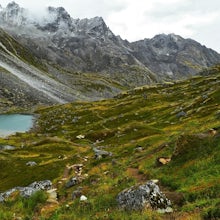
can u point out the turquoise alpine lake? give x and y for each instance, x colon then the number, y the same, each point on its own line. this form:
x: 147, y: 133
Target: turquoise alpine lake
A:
x: 12, y: 123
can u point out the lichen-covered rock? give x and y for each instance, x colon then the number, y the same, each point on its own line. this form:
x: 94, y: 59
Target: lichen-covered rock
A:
x: 41, y: 185
x: 143, y: 196
x: 28, y: 190
x: 101, y: 153
x: 72, y: 182
x: 1, y: 198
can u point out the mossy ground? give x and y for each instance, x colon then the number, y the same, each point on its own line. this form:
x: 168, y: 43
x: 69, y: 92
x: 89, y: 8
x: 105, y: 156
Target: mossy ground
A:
x: 145, y: 117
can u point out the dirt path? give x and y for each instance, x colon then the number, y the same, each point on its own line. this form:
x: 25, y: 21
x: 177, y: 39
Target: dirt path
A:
x: 134, y: 172
x: 175, y: 197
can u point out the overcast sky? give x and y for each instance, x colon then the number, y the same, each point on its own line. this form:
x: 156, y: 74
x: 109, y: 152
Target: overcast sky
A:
x: 138, y: 19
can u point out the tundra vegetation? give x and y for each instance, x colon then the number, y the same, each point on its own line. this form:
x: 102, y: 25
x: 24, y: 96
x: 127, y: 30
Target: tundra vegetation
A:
x: 113, y: 144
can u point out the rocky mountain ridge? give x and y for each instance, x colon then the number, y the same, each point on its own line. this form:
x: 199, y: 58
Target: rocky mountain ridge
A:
x: 86, y: 56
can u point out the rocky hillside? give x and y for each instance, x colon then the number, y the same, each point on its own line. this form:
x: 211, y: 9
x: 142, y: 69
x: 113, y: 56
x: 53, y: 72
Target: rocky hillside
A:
x: 27, y: 81
x: 75, y: 45
x: 101, y: 160
x: 84, y: 54
x: 173, y: 56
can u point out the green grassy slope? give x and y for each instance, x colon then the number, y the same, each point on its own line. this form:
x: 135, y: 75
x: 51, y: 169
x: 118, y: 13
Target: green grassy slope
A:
x: 146, y: 117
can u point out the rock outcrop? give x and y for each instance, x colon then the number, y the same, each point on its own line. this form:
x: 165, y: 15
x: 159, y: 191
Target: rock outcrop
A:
x: 28, y: 190
x: 72, y: 182
x: 173, y: 56
x: 101, y: 153
x: 143, y: 196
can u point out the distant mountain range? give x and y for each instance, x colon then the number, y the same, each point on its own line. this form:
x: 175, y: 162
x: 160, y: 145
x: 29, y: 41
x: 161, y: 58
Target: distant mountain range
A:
x: 66, y: 59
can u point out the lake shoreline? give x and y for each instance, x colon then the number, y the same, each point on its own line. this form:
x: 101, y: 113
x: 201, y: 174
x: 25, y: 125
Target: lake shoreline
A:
x: 13, y: 123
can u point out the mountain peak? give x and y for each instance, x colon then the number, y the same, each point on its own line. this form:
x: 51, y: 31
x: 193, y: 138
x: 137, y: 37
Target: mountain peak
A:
x: 168, y: 41
x: 171, y: 37
x: 12, y: 5
x: 60, y: 12
x: 88, y: 45
x: 95, y: 27
x: 57, y: 18
x: 13, y: 14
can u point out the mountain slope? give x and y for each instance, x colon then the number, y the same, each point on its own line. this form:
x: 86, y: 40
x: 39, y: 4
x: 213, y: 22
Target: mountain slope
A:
x: 173, y: 56
x: 29, y: 77
x: 85, y: 45
x: 26, y: 80
x: 169, y: 120
x: 89, y: 46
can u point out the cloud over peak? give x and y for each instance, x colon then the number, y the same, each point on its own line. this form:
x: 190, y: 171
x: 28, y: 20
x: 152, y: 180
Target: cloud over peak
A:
x: 135, y: 20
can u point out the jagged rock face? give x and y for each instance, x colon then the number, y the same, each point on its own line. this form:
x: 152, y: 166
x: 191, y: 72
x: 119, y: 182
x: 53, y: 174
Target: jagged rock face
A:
x: 27, y: 81
x: 71, y: 48
x: 85, y: 45
x: 88, y: 45
x: 173, y: 56
x: 57, y: 17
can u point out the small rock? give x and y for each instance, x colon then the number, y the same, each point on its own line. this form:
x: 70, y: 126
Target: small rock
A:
x: 72, y: 182
x: 80, y: 136
x: 52, y: 195
x: 77, y: 193
x: 75, y: 119
x: 31, y: 163
x: 181, y: 114
x: 212, y: 132
x: 101, y: 153
x: 163, y: 160
x: 1, y: 198
x: 204, y: 97
x: 83, y: 198
x: 138, y: 148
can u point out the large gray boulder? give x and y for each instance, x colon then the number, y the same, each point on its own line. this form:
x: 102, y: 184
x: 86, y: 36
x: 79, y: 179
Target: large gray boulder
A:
x: 143, y: 196
x: 28, y: 190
